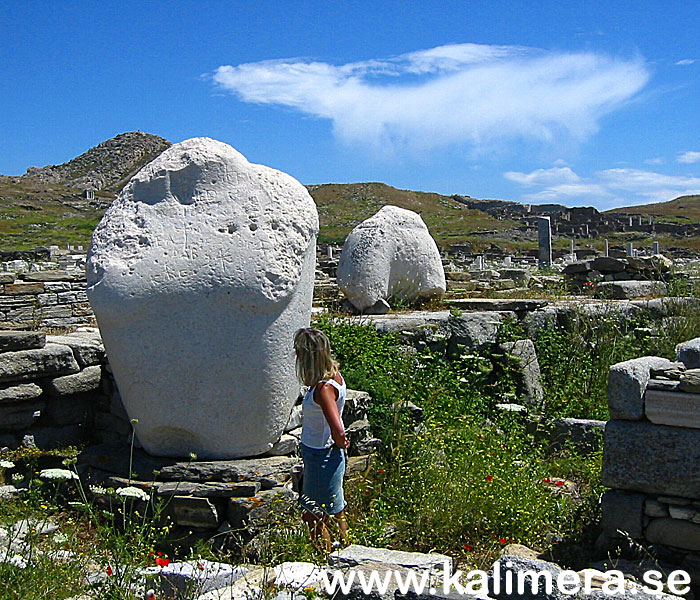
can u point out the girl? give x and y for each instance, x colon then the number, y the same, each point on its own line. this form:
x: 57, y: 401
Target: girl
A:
x: 323, y: 441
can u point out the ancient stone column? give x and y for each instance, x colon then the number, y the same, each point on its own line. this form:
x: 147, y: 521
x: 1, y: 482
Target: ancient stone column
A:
x: 630, y: 249
x: 607, y: 248
x: 544, y: 231
x: 656, y: 248
x: 199, y: 274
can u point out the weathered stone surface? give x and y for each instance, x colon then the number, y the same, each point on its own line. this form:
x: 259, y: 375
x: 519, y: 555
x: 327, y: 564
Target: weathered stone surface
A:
x: 6, y: 277
x: 18, y: 393
x: 690, y: 381
x: 520, y: 277
x: 689, y: 353
x: 199, y: 577
x: 654, y: 508
x: 52, y: 359
x: 15, y: 289
x: 627, y: 382
x: 622, y: 290
x: 655, y: 459
x: 86, y: 380
x: 674, y: 532
x: 259, y: 510
x: 286, y: 445
x: 193, y: 511
x: 230, y: 470
x: 11, y: 341
x: 672, y: 408
x: 474, y: 330
x: 527, y: 377
x: 86, y: 346
x: 582, y: 266
x: 665, y: 385
x: 68, y: 410
x: 53, y: 275
x: 209, y: 490
x: 48, y: 438
x: 355, y: 555
x: 391, y: 254
x: 15, y: 416
x: 497, y: 304
x: 607, y: 264
x: 202, y: 227
x: 295, y: 418
x: 584, y: 435
x: 409, y: 321
x: 622, y: 512
x: 686, y: 513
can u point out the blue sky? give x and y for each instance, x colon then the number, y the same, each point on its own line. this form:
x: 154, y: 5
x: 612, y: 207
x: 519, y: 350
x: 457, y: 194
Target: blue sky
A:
x: 582, y: 103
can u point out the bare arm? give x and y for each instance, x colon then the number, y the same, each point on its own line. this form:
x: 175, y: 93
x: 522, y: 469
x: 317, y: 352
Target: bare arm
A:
x: 325, y: 396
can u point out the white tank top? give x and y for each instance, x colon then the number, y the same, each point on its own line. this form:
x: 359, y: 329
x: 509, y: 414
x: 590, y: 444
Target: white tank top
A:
x: 315, y: 432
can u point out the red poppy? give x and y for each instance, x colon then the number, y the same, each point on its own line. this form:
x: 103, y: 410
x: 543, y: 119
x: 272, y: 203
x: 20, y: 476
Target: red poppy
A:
x: 502, y: 540
x: 546, y: 479
x: 467, y: 547
x: 366, y: 491
x: 381, y: 470
x: 559, y: 482
x: 489, y: 478
x: 201, y: 566
x: 480, y: 437
x: 109, y: 570
x: 159, y: 553
x: 162, y: 562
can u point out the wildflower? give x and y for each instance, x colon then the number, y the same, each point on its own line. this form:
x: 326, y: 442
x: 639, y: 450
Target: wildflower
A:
x: 109, y: 571
x: 546, y: 479
x: 559, y: 482
x: 57, y: 474
x: 132, y: 492
x: 17, y: 477
x: 489, y: 478
x: 98, y: 490
x: 6, y: 464
x: 193, y: 456
x: 201, y: 566
x: 366, y: 490
x: 134, y: 421
x: 467, y: 547
x: 162, y: 562
x: 381, y: 470
x: 149, y: 595
x: 502, y: 540
x: 43, y: 506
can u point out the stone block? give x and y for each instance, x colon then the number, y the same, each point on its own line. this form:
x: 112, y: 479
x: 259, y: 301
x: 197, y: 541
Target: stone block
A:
x: 622, y: 512
x: 16, y: 416
x: 109, y: 422
x: 286, y: 445
x: 56, y: 287
x: 689, y: 381
x: 674, y: 532
x: 6, y: 277
x: 245, y: 469
x: 627, y: 382
x: 86, y: 346
x: 474, y: 330
x: 244, y: 489
x: 11, y: 341
x: 625, y: 290
x: 672, y: 408
x: 87, y: 380
x: 193, y: 511
x: 607, y: 264
x: 261, y: 510
x: 19, y: 392
x: 527, y: 375
x: 356, y: 554
x: 654, y: 508
x: 689, y: 353
x: 48, y: 438
x: 68, y: 410
x: 195, y: 577
x: 295, y: 418
x: 14, y: 289
x: 686, y: 513
x: 53, y: 275
x: 655, y: 459
x: 584, y: 435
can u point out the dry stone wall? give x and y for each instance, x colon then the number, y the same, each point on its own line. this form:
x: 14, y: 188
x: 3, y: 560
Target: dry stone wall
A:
x: 652, y: 454
x: 53, y: 298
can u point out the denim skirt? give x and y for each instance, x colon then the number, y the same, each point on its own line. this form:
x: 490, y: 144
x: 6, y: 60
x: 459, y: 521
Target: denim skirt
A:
x: 322, y: 486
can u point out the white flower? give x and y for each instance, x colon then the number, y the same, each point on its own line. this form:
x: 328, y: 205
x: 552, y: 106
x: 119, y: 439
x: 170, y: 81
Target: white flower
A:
x: 58, y: 474
x: 17, y: 477
x: 18, y: 561
x: 6, y: 464
x: 98, y: 490
x: 132, y: 492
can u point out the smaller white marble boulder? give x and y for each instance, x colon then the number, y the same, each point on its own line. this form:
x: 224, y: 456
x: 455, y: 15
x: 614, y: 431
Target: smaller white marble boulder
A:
x: 390, y: 255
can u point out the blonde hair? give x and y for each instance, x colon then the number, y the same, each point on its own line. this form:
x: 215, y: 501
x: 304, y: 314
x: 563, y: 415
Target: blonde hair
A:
x: 314, y: 360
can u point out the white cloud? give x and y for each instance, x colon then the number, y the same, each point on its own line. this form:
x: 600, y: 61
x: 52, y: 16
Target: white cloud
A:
x: 685, y: 61
x: 689, y: 157
x: 654, y: 161
x: 456, y: 94
x: 552, y: 176
x: 608, y: 187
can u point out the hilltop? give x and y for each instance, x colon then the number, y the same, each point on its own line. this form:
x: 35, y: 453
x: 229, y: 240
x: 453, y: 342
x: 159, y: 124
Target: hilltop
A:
x: 342, y: 206
x: 107, y: 166
x: 684, y: 209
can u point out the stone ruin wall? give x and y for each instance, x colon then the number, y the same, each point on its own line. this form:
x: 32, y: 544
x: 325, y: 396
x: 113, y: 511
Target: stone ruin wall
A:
x: 652, y: 456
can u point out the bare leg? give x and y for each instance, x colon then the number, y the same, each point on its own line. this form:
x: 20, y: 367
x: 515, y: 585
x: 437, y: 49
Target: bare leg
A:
x: 320, y: 536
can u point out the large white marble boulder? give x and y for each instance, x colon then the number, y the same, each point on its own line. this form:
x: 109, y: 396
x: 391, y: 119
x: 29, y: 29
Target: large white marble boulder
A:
x: 199, y: 274
x: 390, y: 255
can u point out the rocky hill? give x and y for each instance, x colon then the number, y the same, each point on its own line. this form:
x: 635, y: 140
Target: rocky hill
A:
x: 107, y: 166
x: 682, y: 209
